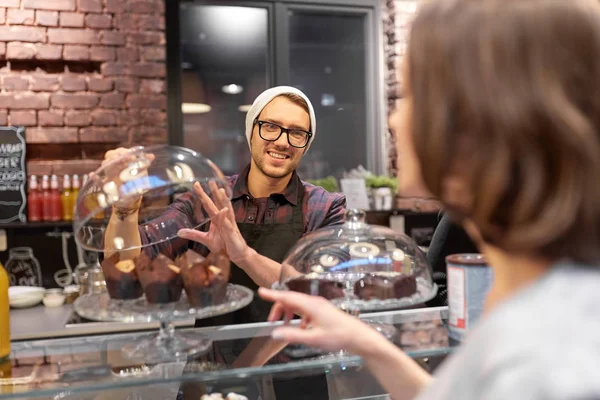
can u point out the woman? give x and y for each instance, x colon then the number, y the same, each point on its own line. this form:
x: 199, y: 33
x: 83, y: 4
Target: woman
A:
x: 503, y: 127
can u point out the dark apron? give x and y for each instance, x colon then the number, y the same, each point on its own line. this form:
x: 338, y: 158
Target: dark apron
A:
x: 272, y: 241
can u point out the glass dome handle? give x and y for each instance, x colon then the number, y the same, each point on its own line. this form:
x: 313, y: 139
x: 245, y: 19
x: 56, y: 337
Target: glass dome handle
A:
x: 356, y: 215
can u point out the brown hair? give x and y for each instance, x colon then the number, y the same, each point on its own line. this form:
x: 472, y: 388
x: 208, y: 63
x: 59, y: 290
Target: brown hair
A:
x: 296, y: 99
x: 506, y: 103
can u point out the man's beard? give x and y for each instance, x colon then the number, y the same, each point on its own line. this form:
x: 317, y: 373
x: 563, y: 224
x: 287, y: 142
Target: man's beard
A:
x: 261, y: 164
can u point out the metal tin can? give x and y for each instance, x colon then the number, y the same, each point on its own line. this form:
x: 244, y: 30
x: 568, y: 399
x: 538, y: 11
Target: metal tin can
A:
x: 469, y: 281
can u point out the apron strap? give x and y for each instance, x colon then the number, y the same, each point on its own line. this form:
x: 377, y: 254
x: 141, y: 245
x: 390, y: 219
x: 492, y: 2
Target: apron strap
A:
x: 298, y: 214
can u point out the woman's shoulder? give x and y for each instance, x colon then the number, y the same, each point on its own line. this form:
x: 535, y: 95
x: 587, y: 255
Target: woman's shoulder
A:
x: 543, y: 343
x: 566, y: 297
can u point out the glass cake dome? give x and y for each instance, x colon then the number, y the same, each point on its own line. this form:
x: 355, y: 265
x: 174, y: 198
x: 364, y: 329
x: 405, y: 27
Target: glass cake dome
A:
x: 131, y: 210
x: 148, y: 180
x: 359, y: 266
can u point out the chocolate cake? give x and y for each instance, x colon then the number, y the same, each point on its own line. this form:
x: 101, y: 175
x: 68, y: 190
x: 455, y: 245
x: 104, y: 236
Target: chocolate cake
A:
x: 385, y: 286
x: 315, y: 285
x: 160, y: 278
x: 121, y: 278
x: 204, y: 279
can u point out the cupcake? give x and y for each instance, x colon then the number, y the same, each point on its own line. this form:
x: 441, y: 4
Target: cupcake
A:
x: 121, y: 278
x: 160, y: 278
x: 204, y: 279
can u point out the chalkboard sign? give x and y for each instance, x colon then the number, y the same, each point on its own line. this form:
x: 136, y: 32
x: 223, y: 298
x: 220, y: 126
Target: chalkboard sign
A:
x: 13, y: 177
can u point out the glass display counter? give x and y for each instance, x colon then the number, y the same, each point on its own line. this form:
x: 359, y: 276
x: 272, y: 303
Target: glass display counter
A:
x: 242, y: 359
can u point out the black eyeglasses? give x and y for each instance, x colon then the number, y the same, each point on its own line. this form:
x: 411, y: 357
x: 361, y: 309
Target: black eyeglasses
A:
x: 272, y: 132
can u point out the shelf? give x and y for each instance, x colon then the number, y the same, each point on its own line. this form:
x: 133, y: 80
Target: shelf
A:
x: 69, y: 225
x: 91, y: 366
x: 37, y: 225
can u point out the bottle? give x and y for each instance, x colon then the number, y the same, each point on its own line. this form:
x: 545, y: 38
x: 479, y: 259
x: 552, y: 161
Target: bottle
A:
x: 4, y: 316
x: 75, y: 191
x: 66, y: 198
x: 34, y: 201
x: 46, y: 205
x: 6, y: 373
x: 23, y: 268
x: 55, y: 200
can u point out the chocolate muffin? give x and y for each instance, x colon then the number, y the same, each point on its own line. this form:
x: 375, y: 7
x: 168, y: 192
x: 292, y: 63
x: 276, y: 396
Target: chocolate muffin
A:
x: 121, y: 278
x: 204, y: 279
x: 385, y: 286
x: 160, y: 278
x: 317, y: 286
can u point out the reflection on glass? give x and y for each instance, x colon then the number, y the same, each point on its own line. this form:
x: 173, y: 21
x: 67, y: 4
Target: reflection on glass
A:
x: 224, y: 52
x: 328, y: 62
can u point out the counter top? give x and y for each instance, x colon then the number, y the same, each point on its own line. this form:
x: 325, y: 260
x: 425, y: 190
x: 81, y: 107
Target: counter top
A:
x: 240, y: 358
x: 46, y: 322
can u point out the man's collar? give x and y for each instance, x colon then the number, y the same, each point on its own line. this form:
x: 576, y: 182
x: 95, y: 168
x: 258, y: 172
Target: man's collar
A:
x: 240, y: 188
x: 290, y: 193
x: 292, y: 189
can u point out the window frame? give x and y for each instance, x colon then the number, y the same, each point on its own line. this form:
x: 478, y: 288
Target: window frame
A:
x: 278, y: 56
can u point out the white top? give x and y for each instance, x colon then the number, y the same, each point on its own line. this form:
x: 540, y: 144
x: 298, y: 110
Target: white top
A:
x: 543, y: 343
x: 66, y: 182
x: 54, y: 182
x: 45, y: 182
x: 33, y: 185
x: 76, y: 184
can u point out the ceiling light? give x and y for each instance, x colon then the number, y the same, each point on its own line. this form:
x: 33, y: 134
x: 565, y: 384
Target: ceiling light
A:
x: 327, y: 100
x: 232, y: 89
x: 244, y: 107
x: 195, y: 108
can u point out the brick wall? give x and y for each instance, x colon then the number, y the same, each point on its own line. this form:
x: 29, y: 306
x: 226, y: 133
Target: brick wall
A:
x: 397, y: 16
x: 83, y: 76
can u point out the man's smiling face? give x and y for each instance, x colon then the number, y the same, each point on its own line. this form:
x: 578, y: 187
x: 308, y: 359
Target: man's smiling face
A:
x: 278, y: 159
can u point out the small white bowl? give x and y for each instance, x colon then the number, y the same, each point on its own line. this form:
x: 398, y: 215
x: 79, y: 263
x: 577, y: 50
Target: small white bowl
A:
x: 54, y: 297
x: 25, y: 296
x: 54, y: 300
x: 24, y: 303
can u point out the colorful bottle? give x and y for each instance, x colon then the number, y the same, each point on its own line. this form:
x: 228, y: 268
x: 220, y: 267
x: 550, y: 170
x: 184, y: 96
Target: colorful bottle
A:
x: 46, y: 203
x: 66, y: 198
x: 34, y: 201
x: 6, y: 373
x: 4, y: 316
x: 55, y: 200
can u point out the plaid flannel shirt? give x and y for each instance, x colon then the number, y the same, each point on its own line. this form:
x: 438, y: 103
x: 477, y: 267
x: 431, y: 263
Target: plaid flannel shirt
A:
x: 320, y: 209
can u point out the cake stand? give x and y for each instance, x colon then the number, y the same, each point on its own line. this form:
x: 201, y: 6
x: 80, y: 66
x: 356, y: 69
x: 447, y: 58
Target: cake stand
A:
x: 354, y: 306
x: 166, y: 345
x: 360, y: 268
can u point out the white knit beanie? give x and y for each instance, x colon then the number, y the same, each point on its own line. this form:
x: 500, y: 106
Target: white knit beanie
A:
x: 265, y: 98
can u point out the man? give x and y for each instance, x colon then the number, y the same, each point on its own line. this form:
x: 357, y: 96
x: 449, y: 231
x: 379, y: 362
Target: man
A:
x: 273, y: 207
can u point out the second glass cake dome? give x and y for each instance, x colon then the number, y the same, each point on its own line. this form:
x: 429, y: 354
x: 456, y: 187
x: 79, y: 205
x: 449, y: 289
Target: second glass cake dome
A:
x: 361, y: 266
x: 149, y: 180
